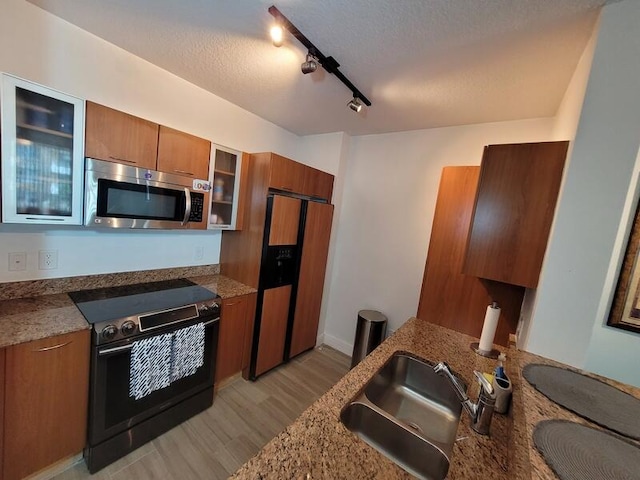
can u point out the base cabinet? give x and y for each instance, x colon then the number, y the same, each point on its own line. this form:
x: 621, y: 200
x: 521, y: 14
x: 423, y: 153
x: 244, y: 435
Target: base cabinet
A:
x: 46, y: 393
x: 234, y: 339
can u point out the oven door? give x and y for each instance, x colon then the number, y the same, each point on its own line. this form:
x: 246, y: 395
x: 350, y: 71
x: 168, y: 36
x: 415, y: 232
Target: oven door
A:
x: 112, y: 410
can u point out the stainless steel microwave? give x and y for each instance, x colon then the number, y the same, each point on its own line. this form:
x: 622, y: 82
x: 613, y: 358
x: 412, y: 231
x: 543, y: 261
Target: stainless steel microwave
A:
x: 122, y: 196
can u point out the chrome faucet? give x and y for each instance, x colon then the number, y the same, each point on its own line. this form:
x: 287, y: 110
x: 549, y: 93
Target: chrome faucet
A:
x: 480, y: 412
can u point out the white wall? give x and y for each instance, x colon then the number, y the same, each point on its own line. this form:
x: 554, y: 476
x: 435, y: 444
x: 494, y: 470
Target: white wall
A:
x: 564, y: 128
x: 569, y: 321
x: 45, y: 49
x: 386, y: 216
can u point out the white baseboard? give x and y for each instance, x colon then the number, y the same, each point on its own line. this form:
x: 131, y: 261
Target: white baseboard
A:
x: 338, y: 344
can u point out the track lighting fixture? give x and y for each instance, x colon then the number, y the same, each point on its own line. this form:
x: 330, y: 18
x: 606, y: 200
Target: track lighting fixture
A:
x: 354, y: 104
x: 310, y: 65
x: 315, y: 57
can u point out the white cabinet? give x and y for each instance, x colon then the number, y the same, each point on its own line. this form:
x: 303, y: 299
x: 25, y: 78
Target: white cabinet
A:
x: 224, y: 177
x: 42, y: 154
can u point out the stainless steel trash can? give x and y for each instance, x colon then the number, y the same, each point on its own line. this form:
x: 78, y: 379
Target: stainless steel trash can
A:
x: 370, y: 332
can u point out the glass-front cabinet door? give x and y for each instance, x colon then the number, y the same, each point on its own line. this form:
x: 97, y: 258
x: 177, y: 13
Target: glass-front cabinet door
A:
x: 224, y: 177
x: 42, y: 154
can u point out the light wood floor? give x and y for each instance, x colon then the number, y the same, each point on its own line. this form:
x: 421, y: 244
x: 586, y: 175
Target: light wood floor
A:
x: 243, y: 418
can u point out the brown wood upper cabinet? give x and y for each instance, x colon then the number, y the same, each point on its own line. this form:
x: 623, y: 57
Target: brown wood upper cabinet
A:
x: 317, y: 184
x: 46, y: 394
x: 286, y: 174
x: 119, y: 137
x: 514, y: 208
x: 183, y: 154
x: 290, y: 176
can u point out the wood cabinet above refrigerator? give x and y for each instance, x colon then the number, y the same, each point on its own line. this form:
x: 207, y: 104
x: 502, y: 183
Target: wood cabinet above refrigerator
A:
x: 514, y: 208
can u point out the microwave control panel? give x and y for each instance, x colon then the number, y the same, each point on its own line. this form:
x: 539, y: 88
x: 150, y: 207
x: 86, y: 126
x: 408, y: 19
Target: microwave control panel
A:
x: 197, y: 207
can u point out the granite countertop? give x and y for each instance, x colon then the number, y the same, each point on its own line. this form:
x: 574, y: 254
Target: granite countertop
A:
x: 26, y: 319
x: 317, y: 445
x: 539, y: 407
x: 223, y: 286
x: 36, y: 317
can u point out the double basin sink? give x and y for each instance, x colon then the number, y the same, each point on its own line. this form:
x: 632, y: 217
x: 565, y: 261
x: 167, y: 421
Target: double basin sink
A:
x: 409, y: 413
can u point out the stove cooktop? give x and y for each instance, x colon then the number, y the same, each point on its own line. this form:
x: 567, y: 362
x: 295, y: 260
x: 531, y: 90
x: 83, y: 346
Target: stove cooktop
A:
x: 113, y: 303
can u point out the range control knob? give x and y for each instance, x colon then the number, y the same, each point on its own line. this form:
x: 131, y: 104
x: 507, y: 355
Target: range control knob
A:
x: 202, y: 308
x: 109, y: 332
x: 128, y: 327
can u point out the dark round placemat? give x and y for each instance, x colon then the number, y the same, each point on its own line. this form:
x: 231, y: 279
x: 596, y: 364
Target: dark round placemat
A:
x: 590, y: 398
x: 578, y: 452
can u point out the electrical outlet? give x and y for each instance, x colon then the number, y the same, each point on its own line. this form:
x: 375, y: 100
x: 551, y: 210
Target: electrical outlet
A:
x: 17, y: 261
x: 198, y: 253
x: 48, y: 259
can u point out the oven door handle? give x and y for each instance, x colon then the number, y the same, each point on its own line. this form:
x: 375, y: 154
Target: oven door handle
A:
x: 108, y: 351
x: 206, y: 324
x: 129, y: 346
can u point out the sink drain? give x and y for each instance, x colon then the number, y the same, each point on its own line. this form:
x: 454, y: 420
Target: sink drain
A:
x: 413, y: 426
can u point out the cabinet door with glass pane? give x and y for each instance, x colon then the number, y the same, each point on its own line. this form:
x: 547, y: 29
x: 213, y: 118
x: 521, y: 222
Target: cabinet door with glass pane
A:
x: 224, y: 177
x: 42, y: 154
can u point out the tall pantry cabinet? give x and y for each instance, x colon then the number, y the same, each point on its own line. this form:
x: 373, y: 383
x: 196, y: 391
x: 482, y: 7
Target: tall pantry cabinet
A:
x: 282, y: 251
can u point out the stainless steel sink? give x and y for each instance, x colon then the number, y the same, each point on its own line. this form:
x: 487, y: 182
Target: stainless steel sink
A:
x: 410, y: 414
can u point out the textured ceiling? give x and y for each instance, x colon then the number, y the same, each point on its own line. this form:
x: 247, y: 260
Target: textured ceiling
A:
x: 422, y: 63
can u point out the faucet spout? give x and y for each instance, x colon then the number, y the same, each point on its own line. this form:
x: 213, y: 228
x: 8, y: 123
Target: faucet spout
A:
x: 481, y: 412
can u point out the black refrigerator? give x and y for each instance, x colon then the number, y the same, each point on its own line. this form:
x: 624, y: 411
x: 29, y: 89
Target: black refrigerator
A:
x: 292, y: 269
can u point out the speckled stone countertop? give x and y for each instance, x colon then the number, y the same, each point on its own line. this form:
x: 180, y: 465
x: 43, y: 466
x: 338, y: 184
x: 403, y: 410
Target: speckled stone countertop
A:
x: 539, y: 407
x: 26, y: 319
x: 42, y: 316
x: 223, y: 286
x: 318, y: 446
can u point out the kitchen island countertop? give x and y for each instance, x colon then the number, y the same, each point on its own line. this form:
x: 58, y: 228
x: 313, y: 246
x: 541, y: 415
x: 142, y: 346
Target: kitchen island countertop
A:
x: 318, y: 446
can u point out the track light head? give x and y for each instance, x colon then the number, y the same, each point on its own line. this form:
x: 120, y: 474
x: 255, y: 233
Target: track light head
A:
x: 355, y: 105
x: 310, y: 65
x: 277, y: 35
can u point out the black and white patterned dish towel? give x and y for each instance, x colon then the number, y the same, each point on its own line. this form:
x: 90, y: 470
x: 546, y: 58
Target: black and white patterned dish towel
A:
x: 187, y: 353
x: 150, y: 365
x: 158, y: 361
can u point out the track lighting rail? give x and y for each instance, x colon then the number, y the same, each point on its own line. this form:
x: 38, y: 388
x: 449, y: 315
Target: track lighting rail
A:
x: 330, y: 64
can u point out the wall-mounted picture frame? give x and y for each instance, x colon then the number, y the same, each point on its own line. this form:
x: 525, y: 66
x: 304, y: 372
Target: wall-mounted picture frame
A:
x: 625, y: 307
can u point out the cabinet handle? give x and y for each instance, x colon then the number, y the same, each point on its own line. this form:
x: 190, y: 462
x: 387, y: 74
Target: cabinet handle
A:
x: 46, y: 349
x: 230, y: 304
x: 284, y: 187
x: 123, y: 160
x: 184, y: 173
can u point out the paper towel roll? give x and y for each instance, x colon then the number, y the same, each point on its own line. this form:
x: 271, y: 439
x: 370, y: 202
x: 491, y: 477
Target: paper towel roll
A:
x: 489, y: 327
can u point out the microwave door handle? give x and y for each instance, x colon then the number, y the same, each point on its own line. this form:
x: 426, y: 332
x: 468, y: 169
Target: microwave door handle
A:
x: 187, y: 207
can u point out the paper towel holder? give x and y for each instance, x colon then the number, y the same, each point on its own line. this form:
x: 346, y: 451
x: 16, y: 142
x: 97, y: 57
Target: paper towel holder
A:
x: 488, y: 329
